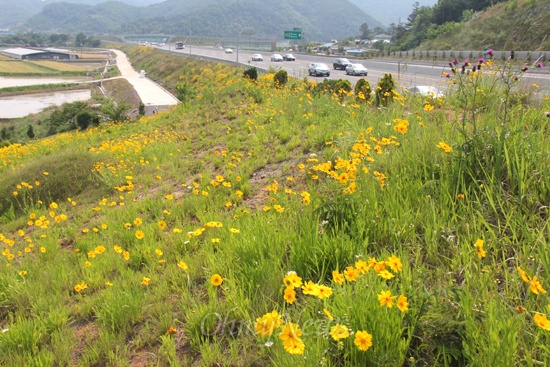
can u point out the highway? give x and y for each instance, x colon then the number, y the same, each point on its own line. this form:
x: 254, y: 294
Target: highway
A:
x: 406, y: 72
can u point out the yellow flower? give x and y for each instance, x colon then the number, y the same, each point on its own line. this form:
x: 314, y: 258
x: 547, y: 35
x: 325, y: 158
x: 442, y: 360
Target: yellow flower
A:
x: 402, y: 303
x: 108, y: 284
x: 290, y: 295
x: 290, y: 335
x: 536, y: 286
x: 337, y: 277
x: 171, y: 330
x: 138, y: 221
x: 23, y: 273
x: 266, y: 324
x: 394, y: 263
x: 87, y: 264
x: 100, y: 249
x: 182, y: 265
x: 480, y: 252
x: 428, y: 107
x: 126, y: 255
x: 310, y: 288
x: 351, y: 274
x: 386, y: 299
x: 234, y: 230
x: 363, y: 340
x: 385, y: 274
x: 339, y: 331
x: 117, y: 249
x: 42, y: 249
x: 328, y: 314
x: 139, y: 234
x: 542, y: 321
x: 446, y: 147
x: 80, y: 287
x: 292, y: 279
x: 524, y: 275
x: 145, y: 281
x: 161, y: 224
x: 324, y: 292
x: 216, y: 280
x: 158, y: 252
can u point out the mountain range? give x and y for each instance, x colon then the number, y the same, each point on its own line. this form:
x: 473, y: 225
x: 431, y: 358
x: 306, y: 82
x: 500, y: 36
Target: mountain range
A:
x: 319, y: 19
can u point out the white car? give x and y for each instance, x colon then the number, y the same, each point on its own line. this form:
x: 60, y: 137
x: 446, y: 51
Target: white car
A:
x: 228, y: 51
x: 257, y: 57
x: 356, y: 69
x: 276, y: 57
x: 425, y: 90
x: 318, y: 69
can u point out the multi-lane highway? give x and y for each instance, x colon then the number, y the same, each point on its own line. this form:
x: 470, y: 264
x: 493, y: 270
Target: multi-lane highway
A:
x: 406, y: 72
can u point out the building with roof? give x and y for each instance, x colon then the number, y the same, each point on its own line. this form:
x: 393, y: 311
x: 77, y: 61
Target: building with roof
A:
x: 21, y: 53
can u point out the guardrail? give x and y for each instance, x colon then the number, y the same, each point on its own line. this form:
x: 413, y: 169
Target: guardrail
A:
x: 216, y: 59
x: 527, y: 56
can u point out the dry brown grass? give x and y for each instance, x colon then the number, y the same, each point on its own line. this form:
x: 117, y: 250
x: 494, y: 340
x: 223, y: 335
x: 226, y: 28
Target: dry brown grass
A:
x: 59, y: 66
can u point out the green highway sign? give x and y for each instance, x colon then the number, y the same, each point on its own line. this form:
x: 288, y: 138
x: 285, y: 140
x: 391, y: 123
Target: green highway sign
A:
x: 293, y: 35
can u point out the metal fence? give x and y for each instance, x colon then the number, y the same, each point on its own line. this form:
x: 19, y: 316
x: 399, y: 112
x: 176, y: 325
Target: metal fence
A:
x: 527, y: 56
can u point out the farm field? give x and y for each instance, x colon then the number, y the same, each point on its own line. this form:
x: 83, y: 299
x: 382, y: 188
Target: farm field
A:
x: 270, y: 221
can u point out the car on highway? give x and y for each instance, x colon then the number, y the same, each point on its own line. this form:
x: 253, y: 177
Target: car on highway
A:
x: 425, y: 90
x: 318, y: 69
x: 228, y: 51
x: 276, y: 57
x: 356, y: 69
x: 340, y: 64
x: 289, y: 57
x: 257, y: 57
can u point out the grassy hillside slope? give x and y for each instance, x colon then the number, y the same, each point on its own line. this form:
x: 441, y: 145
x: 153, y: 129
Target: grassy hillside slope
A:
x: 493, y: 28
x: 265, y: 225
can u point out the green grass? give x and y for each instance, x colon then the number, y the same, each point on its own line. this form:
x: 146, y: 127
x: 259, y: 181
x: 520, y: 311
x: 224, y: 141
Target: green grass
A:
x: 108, y: 261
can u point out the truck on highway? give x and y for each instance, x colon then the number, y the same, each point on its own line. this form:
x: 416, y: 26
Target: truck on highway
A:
x: 179, y: 46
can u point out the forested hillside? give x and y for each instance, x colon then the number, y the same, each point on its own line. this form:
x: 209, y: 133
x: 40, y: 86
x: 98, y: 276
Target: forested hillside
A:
x: 214, y: 18
x: 513, y: 25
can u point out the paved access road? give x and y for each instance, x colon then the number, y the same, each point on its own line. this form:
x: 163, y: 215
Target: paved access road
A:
x: 151, y: 94
x: 406, y: 72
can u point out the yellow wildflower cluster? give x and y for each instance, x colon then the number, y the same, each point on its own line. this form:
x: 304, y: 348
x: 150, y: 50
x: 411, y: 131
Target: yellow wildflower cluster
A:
x: 346, y: 171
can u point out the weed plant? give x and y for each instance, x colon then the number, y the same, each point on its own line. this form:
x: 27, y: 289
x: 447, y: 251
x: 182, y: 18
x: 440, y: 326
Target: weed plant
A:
x: 296, y: 225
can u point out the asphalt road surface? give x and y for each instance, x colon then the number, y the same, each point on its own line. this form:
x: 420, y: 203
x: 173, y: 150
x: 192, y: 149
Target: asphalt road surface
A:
x: 406, y: 72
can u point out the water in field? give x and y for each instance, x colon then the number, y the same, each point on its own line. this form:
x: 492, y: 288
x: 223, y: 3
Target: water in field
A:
x: 6, y: 81
x: 23, y: 105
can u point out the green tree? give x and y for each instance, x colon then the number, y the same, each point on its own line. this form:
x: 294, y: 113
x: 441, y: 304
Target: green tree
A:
x: 365, y: 31
x: 30, y: 132
x: 80, y: 40
x: 113, y: 110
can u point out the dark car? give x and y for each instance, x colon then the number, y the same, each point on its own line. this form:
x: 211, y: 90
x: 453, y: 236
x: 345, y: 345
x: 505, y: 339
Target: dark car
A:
x: 289, y: 57
x: 340, y: 64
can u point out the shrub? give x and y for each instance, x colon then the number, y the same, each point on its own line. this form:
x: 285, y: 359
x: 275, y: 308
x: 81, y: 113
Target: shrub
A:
x: 251, y: 73
x: 184, y: 92
x: 363, y: 90
x: 384, y: 91
x: 280, y: 78
x: 84, y: 119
